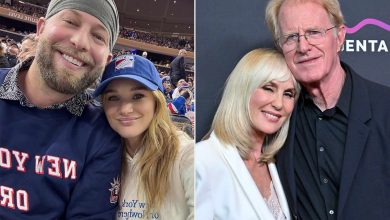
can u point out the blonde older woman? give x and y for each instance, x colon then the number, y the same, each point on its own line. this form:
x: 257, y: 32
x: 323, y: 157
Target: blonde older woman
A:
x: 236, y: 177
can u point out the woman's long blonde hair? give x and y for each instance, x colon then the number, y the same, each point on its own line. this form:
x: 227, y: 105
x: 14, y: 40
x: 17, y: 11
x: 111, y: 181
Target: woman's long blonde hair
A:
x: 160, y: 146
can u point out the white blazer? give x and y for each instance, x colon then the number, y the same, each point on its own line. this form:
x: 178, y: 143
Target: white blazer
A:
x: 225, y: 189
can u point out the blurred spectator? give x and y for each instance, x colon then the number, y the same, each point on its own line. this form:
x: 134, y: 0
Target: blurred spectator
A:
x: 4, y: 43
x: 157, y: 39
x: 179, y: 113
x: 181, y: 85
x: 133, y: 51
x: 26, y: 8
x: 178, y: 105
x: 36, y: 10
x: 190, y: 82
x: 3, y: 60
x: 145, y: 54
x: 168, y: 91
x: 27, y: 48
x: 177, y: 67
x: 162, y: 74
x: 189, y: 100
x: 12, y: 52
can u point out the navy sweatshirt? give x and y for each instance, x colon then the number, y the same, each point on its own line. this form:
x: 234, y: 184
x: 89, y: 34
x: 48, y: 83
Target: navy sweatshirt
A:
x: 55, y: 165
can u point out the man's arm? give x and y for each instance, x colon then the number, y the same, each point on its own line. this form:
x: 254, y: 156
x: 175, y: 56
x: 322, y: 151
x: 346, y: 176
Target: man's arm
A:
x: 96, y: 194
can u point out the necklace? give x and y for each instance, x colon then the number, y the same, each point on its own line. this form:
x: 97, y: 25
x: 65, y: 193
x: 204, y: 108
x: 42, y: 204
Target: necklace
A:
x: 132, y: 152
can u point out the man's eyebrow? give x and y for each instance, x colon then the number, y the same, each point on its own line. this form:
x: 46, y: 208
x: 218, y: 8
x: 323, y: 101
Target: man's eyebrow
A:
x: 78, y: 14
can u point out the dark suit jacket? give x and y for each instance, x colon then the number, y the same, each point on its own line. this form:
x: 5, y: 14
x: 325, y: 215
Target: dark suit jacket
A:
x: 177, y: 67
x: 364, y: 191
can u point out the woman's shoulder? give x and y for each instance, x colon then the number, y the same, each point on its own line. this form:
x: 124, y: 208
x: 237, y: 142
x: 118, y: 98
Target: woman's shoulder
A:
x: 185, y: 140
x: 209, y: 153
x: 186, y: 146
x: 209, y: 145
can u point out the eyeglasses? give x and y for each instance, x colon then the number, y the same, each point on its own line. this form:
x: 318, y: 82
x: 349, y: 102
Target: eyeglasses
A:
x: 313, y: 36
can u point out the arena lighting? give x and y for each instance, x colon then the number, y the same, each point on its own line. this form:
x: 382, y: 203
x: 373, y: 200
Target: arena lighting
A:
x: 21, y: 2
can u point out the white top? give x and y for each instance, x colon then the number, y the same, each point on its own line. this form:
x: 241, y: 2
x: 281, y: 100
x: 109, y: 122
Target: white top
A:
x: 225, y: 190
x: 273, y: 204
x: 179, y: 202
x: 175, y: 93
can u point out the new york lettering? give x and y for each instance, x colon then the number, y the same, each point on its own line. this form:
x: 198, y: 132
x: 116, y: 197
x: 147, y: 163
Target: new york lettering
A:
x: 54, y: 166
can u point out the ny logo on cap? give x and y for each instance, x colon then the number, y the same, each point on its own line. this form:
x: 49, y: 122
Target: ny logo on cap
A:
x: 124, y: 62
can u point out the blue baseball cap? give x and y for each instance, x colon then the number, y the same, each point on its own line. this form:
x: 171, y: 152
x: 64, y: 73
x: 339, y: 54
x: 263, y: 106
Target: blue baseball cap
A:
x: 132, y: 67
x: 166, y: 78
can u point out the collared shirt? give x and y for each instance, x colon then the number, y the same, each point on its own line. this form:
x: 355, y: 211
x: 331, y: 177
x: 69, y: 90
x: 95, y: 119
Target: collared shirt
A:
x: 10, y: 90
x: 319, y: 151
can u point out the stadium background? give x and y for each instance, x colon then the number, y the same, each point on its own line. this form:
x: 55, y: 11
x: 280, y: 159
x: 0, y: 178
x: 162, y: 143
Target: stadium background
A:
x: 158, y: 27
x: 161, y: 26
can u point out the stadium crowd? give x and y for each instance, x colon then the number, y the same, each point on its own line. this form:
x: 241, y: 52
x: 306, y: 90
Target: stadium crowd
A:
x: 159, y: 39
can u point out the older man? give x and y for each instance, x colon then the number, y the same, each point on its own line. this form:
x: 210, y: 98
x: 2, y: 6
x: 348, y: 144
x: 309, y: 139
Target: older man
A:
x: 335, y: 164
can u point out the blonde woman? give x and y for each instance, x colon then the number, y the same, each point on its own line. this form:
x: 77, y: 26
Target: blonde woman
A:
x: 157, y: 172
x: 236, y: 177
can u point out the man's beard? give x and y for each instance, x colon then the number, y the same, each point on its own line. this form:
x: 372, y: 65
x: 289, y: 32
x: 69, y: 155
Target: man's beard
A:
x: 62, y: 80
